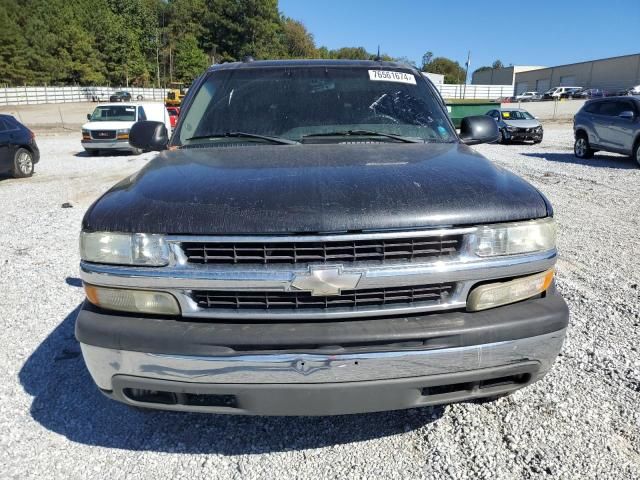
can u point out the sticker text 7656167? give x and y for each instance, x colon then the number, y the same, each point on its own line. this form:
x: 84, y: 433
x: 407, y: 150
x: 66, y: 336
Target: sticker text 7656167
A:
x: 391, y: 76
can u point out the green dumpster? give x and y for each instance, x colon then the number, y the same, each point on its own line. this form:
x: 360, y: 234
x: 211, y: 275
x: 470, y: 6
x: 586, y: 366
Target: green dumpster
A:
x: 460, y: 108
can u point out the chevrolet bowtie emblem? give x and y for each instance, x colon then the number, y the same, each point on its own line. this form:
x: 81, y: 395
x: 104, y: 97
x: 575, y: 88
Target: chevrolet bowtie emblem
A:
x: 325, y: 281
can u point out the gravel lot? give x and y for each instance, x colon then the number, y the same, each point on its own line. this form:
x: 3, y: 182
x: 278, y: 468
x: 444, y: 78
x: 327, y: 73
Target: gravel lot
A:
x: 581, y: 421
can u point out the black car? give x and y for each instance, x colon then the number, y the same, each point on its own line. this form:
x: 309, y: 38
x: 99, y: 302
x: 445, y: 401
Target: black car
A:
x: 18, y: 149
x: 120, y: 97
x: 317, y: 239
x: 590, y: 93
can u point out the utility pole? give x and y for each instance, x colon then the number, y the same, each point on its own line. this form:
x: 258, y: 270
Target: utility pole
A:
x: 466, y: 73
x: 157, y: 59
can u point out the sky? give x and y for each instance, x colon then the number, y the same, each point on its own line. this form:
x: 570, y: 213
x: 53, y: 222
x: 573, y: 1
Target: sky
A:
x: 543, y: 32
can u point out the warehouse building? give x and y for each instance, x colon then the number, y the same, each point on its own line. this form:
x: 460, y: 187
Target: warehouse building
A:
x: 500, y: 76
x: 610, y: 74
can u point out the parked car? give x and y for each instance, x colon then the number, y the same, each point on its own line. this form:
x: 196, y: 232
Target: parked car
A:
x: 516, y: 124
x: 571, y: 92
x: 609, y: 124
x: 109, y: 125
x: 18, y: 149
x: 174, y: 113
x: 120, y: 97
x: 634, y: 90
x: 557, y: 93
x: 528, y: 97
x: 590, y: 93
x: 316, y: 239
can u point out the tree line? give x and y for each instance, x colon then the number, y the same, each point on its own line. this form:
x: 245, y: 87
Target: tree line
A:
x: 154, y: 42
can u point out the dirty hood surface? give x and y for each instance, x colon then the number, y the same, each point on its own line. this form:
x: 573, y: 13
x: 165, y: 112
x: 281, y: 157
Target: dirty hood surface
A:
x: 314, y: 188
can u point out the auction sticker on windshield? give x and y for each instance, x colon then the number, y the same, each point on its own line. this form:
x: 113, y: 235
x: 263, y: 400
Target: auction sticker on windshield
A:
x: 391, y: 76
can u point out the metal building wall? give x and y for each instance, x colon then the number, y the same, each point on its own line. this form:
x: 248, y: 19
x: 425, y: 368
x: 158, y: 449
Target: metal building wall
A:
x: 611, y: 74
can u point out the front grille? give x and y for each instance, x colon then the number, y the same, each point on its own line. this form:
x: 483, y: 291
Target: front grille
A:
x: 103, y: 134
x: 372, y: 297
x: 321, y: 252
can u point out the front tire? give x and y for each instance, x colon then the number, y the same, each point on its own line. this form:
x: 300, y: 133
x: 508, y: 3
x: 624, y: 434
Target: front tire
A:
x: 636, y: 153
x: 500, y: 137
x: 22, y: 163
x: 581, y: 147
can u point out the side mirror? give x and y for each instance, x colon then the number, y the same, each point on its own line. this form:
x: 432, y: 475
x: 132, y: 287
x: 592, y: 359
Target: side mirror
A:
x: 627, y: 115
x: 148, y: 135
x: 88, y: 116
x: 478, y: 129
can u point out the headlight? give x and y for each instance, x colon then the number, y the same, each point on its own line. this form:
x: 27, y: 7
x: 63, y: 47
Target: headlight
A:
x: 86, y: 134
x: 124, y: 248
x: 511, y: 129
x: 515, y: 238
x: 135, y: 301
x: 503, y: 293
x: 122, y: 133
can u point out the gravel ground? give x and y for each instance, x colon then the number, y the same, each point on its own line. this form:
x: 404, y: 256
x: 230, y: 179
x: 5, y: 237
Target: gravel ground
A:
x: 581, y: 421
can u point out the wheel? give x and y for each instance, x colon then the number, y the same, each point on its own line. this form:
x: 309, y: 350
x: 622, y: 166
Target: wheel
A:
x: 92, y: 152
x: 22, y: 163
x: 581, y: 148
x: 537, y: 141
x: 636, y: 153
x: 501, y: 138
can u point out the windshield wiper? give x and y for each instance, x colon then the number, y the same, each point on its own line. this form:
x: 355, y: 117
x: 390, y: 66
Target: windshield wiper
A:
x: 276, y: 140
x: 366, y: 133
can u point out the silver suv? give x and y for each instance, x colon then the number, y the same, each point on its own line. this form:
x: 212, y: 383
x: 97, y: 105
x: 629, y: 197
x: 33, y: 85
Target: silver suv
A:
x: 609, y: 124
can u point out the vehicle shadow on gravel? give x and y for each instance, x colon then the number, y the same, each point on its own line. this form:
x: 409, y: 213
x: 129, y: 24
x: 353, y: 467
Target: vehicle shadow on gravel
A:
x: 66, y: 401
x: 104, y: 153
x: 599, y: 160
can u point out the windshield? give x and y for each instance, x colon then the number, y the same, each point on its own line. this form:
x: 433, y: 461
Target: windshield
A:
x: 114, y: 113
x: 516, y: 115
x: 297, y: 103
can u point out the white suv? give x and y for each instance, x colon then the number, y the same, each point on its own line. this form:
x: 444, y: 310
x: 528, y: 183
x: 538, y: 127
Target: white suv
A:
x: 560, y: 92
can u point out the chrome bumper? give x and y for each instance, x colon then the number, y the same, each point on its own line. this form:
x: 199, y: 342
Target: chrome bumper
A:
x: 301, y: 368
x: 107, y: 144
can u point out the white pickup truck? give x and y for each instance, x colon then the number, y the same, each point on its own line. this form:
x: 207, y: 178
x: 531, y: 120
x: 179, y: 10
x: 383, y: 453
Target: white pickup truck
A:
x: 109, y: 125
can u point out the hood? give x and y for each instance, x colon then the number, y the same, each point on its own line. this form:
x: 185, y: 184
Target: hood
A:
x: 522, y: 123
x: 313, y: 189
x: 106, y: 125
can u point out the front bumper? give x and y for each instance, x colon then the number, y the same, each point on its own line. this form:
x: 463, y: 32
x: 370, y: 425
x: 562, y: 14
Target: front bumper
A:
x: 524, y: 136
x: 321, y: 368
x: 106, y: 145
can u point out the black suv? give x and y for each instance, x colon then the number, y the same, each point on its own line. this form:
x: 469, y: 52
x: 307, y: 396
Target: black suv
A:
x: 610, y: 124
x: 315, y: 238
x: 18, y: 149
x: 120, y: 97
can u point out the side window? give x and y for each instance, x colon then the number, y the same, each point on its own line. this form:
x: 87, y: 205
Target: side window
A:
x: 3, y: 126
x: 613, y: 109
x: 141, y: 115
x: 593, y: 107
x: 606, y: 108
